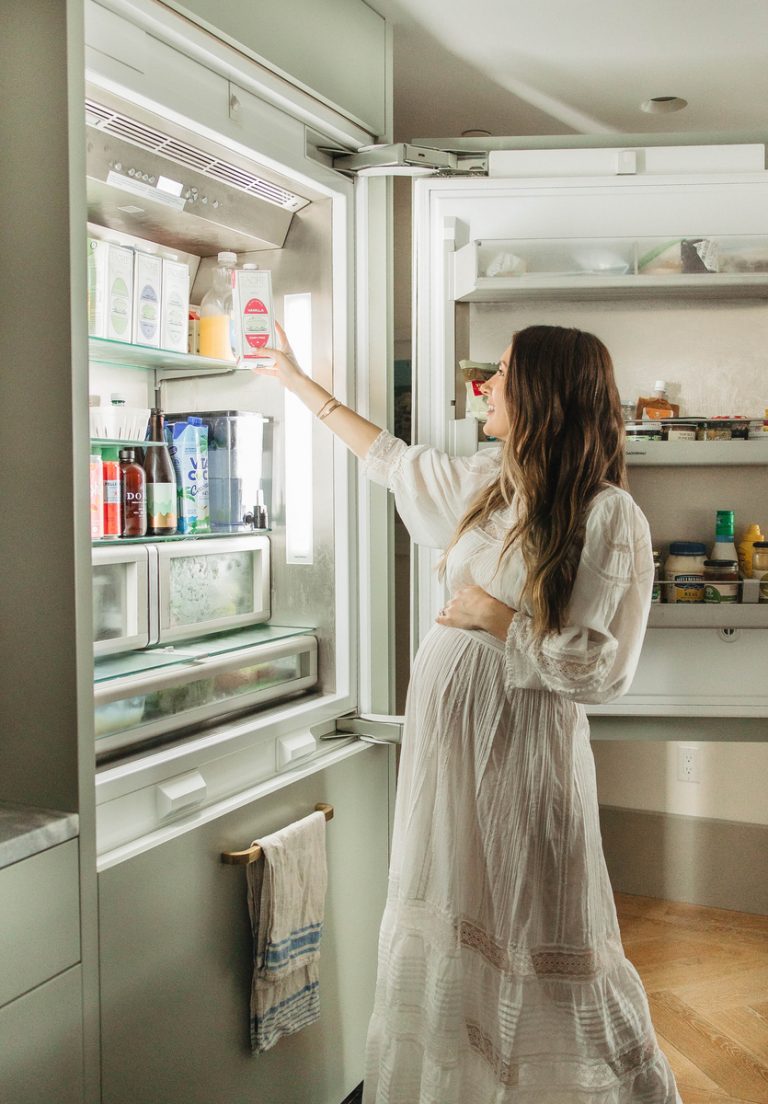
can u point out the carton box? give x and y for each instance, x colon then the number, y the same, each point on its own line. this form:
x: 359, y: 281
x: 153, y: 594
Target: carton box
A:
x: 253, y: 313
x: 174, y: 313
x: 98, y: 254
x: 147, y: 283
x: 119, y: 305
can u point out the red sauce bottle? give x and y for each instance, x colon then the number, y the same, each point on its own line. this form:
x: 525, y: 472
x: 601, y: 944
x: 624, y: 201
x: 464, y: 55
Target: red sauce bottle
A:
x: 134, y: 495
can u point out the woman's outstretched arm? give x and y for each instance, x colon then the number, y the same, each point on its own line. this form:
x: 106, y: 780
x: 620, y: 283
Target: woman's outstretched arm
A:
x: 357, y: 433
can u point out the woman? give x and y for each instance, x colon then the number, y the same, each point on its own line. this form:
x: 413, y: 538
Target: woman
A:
x: 501, y: 972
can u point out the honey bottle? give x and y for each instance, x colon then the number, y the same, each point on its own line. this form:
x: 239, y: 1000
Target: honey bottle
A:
x: 657, y: 406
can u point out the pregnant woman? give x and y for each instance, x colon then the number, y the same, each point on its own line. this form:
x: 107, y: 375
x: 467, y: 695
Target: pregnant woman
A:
x: 502, y: 978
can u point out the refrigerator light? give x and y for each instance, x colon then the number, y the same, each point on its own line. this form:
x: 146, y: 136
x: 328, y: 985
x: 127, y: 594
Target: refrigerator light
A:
x: 299, y: 526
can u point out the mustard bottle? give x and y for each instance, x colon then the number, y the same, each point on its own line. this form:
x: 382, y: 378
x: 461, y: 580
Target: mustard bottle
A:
x: 748, y: 538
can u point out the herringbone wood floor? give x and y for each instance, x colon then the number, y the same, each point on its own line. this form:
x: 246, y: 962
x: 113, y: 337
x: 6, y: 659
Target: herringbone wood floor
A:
x: 706, y: 974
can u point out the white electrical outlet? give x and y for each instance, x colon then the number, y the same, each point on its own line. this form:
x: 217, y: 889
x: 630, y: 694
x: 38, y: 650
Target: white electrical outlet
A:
x: 688, y: 766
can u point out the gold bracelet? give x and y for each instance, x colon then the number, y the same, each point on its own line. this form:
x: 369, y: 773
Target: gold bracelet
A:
x: 328, y: 408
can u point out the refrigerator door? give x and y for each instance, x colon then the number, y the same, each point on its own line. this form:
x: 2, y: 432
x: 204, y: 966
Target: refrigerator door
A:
x: 666, y: 269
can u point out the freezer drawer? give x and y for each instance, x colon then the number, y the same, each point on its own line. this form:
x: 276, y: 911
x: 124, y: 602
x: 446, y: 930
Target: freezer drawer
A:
x: 212, y: 586
x: 176, y: 966
x: 121, y: 599
x: 138, y: 708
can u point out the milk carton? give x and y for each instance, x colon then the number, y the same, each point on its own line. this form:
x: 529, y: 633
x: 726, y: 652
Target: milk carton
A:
x: 110, y: 290
x: 174, y: 312
x: 98, y: 255
x: 253, y: 312
x: 119, y: 304
x: 147, y: 282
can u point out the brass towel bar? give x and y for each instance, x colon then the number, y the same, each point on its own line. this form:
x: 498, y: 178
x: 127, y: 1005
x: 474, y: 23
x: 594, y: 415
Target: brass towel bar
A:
x: 253, y: 853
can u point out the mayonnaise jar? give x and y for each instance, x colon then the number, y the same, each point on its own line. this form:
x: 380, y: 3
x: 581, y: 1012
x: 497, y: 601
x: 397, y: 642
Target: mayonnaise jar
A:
x: 684, y: 572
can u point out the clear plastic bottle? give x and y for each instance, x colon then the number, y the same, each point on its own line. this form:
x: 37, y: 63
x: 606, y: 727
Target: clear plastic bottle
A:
x: 216, y: 311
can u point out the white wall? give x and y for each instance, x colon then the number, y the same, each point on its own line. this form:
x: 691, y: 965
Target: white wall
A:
x: 643, y: 775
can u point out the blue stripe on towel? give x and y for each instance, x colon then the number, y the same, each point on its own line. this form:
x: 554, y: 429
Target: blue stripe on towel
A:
x: 303, y: 941
x: 291, y: 1014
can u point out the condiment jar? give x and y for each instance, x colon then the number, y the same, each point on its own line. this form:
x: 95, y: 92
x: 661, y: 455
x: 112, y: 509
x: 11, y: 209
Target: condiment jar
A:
x: 721, y: 581
x: 684, y: 572
x: 760, y: 567
x: 744, y: 547
x: 656, y: 591
x: 679, y: 431
x: 713, y: 431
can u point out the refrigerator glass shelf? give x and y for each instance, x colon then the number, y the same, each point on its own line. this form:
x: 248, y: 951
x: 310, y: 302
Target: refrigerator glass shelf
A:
x: 118, y: 541
x: 191, y: 651
x: 119, y: 353
x: 122, y: 442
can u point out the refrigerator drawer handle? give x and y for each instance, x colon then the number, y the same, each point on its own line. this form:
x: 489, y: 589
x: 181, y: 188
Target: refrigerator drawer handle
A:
x: 242, y: 858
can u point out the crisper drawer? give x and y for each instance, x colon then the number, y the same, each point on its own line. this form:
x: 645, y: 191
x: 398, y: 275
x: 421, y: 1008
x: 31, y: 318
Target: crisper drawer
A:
x: 212, y: 586
x: 139, y: 708
x: 121, y: 598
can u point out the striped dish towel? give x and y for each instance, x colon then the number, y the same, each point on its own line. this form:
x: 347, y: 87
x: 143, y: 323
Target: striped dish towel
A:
x: 286, y: 902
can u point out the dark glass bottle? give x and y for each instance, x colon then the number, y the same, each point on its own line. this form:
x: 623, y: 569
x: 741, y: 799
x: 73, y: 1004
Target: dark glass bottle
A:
x: 161, y: 481
x: 133, y: 483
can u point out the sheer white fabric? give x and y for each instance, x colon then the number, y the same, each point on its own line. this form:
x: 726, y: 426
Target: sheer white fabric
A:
x: 501, y: 976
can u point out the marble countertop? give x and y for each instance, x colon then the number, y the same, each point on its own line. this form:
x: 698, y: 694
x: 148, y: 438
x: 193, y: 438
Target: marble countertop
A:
x: 25, y: 830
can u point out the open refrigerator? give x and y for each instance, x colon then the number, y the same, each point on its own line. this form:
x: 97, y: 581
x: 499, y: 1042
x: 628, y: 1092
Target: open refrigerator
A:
x: 234, y: 669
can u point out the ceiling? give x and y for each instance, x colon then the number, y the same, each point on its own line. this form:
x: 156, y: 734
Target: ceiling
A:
x: 578, y: 66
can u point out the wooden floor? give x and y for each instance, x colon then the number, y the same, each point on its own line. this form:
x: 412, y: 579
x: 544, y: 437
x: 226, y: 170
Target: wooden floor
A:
x: 706, y: 974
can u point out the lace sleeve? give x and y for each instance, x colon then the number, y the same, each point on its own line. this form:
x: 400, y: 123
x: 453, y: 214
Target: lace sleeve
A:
x: 594, y: 658
x: 432, y: 489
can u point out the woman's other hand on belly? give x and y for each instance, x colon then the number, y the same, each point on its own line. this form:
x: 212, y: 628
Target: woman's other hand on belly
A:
x: 474, y: 608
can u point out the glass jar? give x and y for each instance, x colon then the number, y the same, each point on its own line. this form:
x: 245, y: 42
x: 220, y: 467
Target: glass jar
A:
x: 721, y: 581
x: 760, y: 567
x: 679, y: 431
x: 656, y: 590
x: 684, y: 572
x: 713, y: 431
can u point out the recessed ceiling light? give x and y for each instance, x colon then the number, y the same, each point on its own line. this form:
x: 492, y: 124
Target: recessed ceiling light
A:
x: 659, y: 105
x: 475, y: 133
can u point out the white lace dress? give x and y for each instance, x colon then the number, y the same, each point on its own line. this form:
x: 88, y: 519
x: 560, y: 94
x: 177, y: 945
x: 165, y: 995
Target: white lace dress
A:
x: 501, y: 972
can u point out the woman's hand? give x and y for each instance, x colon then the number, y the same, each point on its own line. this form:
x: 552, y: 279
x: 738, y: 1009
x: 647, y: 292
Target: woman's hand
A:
x: 474, y: 608
x: 285, y: 368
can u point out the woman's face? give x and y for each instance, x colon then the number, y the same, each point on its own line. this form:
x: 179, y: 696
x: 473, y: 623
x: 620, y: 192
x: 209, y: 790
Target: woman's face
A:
x: 497, y: 424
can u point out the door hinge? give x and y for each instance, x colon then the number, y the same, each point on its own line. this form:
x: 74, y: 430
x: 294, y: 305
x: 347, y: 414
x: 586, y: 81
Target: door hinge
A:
x: 371, y: 728
x: 403, y: 159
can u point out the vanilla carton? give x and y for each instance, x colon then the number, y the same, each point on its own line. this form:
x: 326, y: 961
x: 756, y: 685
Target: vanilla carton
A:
x: 174, y: 309
x: 147, y: 283
x: 253, y: 312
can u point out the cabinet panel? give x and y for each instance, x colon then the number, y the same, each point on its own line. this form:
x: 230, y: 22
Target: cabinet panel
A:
x: 39, y: 918
x: 176, y: 966
x: 301, y: 39
x: 41, y: 1043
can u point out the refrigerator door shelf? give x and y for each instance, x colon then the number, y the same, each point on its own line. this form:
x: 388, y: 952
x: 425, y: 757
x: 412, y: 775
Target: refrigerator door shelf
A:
x: 134, y: 710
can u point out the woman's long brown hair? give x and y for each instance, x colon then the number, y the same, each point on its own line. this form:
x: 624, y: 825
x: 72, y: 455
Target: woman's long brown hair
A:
x: 566, y: 442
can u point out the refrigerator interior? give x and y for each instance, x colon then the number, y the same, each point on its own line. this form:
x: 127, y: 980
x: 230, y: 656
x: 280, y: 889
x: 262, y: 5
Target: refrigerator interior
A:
x: 712, y: 358
x: 704, y: 334
x: 279, y: 224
